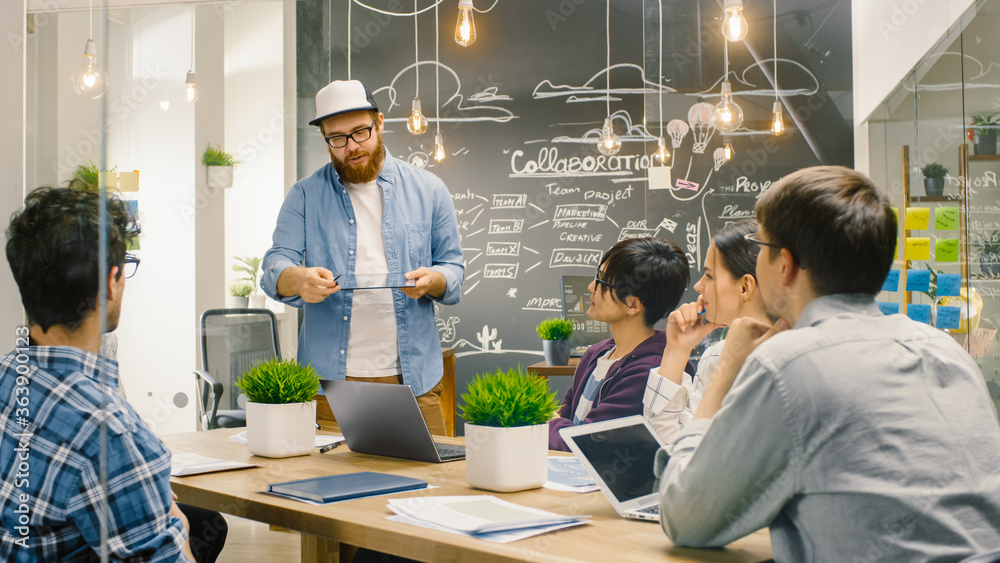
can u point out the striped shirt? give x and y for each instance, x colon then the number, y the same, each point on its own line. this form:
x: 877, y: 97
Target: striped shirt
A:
x: 51, y: 498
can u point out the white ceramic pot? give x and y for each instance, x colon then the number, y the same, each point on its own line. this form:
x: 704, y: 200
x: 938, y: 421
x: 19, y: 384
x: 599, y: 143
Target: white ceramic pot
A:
x: 506, y: 459
x: 281, y: 430
x: 257, y: 300
x: 220, y: 176
x: 234, y: 302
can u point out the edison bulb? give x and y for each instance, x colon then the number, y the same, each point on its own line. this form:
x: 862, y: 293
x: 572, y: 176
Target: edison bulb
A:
x: 417, y: 122
x: 662, y: 155
x: 609, y: 144
x: 190, y: 88
x: 728, y: 148
x: 777, y: 122
x: 439, y: 153
x: 734, y: 26
x: 465, y: 29
x: 728, y: 115
x: 89, y: 80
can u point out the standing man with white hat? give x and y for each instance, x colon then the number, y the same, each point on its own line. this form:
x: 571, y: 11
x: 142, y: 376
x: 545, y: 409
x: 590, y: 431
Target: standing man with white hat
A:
x: 365, y: 213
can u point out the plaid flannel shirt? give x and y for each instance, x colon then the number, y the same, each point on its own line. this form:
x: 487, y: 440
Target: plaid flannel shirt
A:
x: 51, y: 498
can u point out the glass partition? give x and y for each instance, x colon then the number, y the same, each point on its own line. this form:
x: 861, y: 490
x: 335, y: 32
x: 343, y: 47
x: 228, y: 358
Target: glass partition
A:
x: 931, y: 144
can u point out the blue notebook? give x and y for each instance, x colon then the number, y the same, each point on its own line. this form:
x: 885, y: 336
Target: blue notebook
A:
x: 332, y: 488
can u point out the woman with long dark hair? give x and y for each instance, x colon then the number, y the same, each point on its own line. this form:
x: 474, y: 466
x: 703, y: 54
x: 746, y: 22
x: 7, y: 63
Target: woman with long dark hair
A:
x: 727, y: 290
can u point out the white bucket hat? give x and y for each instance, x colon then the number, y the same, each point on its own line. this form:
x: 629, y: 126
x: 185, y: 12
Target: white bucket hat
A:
x: 342, y: 96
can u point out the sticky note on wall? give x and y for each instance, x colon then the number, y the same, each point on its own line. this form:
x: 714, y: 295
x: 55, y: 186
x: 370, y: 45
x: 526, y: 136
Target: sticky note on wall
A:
x: 946, y: 218
x: 949, y: 285
x: 888, y: 308
x: 919, y: 313
x: 917, y: 218
x: 918, y: 280
x: 946, y: 250
x: 891, y: 282
x: 918, y: 248
x: 948, y: 317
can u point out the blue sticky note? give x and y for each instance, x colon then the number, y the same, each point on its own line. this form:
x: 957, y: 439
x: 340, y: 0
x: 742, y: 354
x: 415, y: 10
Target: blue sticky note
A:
x: 891, y: 282
x: 888, y: 308
x: 948, y: 317
x: 919, y: 313
x: 918, y: 280
x: 949, y: 285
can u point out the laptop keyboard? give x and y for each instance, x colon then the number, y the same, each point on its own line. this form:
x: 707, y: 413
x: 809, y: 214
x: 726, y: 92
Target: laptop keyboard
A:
x: 655, y: 509
x: 447, y: 451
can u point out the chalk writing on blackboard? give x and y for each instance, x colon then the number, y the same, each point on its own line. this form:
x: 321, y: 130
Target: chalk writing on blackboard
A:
x: 574, y: 257
x: 501, y: 271
x: 479, y: 110
x: 506, y: 226
x: 505, y: 248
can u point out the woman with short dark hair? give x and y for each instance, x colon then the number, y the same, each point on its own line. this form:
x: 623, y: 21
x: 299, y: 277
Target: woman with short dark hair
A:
x: 638, y: 281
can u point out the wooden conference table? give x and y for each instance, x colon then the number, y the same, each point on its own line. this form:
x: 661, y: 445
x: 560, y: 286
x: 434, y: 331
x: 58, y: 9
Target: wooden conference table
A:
x: 362, y: 522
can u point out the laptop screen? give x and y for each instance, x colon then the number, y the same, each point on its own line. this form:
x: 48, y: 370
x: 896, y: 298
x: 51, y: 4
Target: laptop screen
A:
x: 575, y: 302
x: 623, y: 457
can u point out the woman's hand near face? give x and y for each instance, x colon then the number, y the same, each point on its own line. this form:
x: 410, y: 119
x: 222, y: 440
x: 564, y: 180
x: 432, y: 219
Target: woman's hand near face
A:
x: 684, y: 331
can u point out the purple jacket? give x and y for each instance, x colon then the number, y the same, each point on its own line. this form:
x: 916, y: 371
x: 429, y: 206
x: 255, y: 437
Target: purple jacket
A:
x: 621, y: 391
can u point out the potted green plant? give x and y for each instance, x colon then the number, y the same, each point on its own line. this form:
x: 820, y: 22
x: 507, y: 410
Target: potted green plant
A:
x: 88, y: 178
x: 934, y: 175
x: 220, y: 166
x: 555, y: 335
x: 238, y: 294
x: 988, y: 249
x: 281, y: 410
x: 506, y: 430
x: 986, y: 125
x: 250, y: 266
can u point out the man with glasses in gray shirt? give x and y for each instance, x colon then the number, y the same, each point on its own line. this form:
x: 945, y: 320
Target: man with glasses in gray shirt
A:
x: 853, y: 435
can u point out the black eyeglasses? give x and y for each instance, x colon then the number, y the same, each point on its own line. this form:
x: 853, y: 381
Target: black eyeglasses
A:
x: 131, y: 265
x: 753, y: 245
x: 359, y: 136
x: 599, y: 281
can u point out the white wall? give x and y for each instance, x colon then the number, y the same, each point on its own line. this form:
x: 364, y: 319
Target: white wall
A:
x: 889, y: 39
x: 156, y: 331
x: 12, y: 148
x: 255, y: 127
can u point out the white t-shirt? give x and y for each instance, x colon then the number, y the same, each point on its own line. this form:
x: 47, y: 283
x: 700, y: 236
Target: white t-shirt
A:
x: 372, y: 349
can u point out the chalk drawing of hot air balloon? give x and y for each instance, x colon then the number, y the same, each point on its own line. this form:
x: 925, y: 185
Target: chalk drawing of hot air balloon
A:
x: 720, y: 158
x: 677, y: 130
x: 700, y: 119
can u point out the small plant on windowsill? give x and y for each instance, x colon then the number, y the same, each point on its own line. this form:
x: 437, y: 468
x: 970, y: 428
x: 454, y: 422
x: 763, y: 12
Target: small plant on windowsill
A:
x: 281, y: 412
x: 986, y: 126
x: 934, y: 175
x: 506, y: 430
x: 220, y: 166
x: 555, y: 335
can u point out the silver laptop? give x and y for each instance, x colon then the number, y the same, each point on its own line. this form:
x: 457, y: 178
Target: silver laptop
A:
x: 619, y: 455
x: 384, y: 419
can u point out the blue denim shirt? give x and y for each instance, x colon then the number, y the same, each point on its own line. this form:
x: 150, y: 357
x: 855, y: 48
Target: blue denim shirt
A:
x: 316, y: 227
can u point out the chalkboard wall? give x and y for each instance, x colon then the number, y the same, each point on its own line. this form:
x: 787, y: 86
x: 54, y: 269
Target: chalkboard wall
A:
x: 520, y: 112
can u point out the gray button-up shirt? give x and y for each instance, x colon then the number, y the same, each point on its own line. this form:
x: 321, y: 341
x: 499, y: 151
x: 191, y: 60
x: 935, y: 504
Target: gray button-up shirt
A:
x: 855, y: 437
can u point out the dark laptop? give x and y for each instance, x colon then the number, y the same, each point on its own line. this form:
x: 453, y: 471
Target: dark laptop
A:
x: 384, y: 419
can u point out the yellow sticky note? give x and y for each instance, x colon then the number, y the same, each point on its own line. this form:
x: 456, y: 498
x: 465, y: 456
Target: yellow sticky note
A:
x: 946, y: 218
x: 946, y: 250
x: 128, y: 181
x: 917, y: 218
x: 895, y: 252
x: 918, y: 248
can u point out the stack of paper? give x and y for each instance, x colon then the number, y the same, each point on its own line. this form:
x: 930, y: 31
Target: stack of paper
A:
x: 566, y: 473
x: 193, y: 464
x: 481, y: 516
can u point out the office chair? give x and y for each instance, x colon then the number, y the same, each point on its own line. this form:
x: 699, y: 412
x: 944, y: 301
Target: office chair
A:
x: 232, y: 341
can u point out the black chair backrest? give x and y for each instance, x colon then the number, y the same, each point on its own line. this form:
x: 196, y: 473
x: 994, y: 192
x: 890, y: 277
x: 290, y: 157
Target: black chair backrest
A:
x: 234, y: 340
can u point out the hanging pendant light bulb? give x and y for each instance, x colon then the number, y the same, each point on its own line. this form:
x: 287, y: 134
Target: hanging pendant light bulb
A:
x: 465, y: 29
x: 662, y: 155
x: 777, y: 122
x: 417, y: 123
x: 190, y: 88
x: 728, y: 115
x: 734, y: 26
x: 727, y: 147
x: 439, y: 152
x: 608, y: 143
x: 89, y: 80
